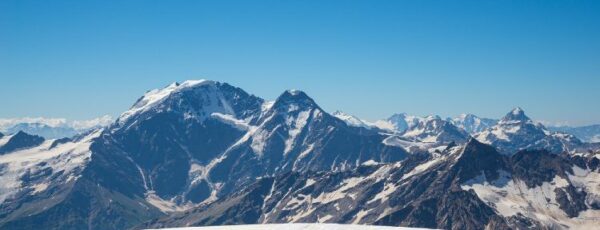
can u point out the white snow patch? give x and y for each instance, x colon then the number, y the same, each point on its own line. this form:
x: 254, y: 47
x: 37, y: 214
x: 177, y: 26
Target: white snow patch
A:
x: 512, y: 196
x: 5, y: 139
x: 339, y: 193
x: 409, y: 146
x: 351, y: 120
x: 423, y: 167
x: 297, y: 226
x: 595, y: 138
x: 37, y: 188
x: 370, y: 163
x: 231, y: 120
x: 295, y: 124
x: 166, y: 206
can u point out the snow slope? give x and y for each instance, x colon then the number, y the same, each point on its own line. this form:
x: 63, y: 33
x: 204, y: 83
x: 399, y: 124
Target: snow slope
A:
x: 296, y: 227
x: 64, y: 161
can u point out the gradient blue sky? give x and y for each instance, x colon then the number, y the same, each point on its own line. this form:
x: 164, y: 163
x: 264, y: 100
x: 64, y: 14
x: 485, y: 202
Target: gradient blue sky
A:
x: 82, y: 59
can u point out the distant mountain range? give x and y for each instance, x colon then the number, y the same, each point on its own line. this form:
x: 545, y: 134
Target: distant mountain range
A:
x: 469, y: 123
x: 590, y: 133
x: 52, y: 128
x: 202, y: 152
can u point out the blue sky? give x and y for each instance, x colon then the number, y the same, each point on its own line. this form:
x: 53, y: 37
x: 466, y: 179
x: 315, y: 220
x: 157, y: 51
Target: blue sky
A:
x: 82, y: 59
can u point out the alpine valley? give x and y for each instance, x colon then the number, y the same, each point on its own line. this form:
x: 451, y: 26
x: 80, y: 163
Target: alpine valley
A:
x: 202, y: 153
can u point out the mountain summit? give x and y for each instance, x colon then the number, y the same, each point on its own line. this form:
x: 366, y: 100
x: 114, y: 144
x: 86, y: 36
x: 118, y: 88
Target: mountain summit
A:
x: 515, y: 115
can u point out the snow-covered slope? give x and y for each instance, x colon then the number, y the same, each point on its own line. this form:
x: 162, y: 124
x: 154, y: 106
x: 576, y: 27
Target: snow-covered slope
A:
x: 295, y: 227
x: 471, y: 123
x: 352, y: 120
x: 53, y: 164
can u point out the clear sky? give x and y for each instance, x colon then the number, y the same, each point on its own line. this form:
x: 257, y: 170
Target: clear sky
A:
x: 83, y: 59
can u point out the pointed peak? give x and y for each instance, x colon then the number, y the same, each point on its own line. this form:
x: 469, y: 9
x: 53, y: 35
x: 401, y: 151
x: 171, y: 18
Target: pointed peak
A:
x: 295, y: 97
x: 516, y: 114
x: 473, y: 144
x: 22, y: 133
x: 517, y: 111
x: 294, y: 92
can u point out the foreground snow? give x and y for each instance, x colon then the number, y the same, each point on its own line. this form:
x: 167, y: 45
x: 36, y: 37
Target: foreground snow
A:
x: 296, y: 227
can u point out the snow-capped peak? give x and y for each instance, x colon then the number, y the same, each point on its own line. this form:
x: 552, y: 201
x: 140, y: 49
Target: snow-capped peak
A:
x: 517, y: 111
x: 515, y: 115
x: 156, y: 96
x: 295, y: 98
x: 352, y: 120
x: 294, y: 92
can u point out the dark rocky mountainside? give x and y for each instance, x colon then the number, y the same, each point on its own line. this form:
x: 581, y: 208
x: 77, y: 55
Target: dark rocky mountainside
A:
x: 445, y: 190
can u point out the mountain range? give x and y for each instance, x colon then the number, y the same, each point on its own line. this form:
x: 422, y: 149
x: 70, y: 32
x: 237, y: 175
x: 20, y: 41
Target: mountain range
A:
x: 203, y: 152
x: 52, y: 128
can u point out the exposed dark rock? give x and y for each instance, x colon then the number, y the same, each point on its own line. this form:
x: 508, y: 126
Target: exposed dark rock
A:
x: 21, y: 140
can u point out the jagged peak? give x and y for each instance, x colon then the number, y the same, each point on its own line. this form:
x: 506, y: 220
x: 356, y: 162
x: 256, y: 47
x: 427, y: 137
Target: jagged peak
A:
x: 516, y: 114
x: 517, y: 111
x: 294, y: 97
x: 22, y: 133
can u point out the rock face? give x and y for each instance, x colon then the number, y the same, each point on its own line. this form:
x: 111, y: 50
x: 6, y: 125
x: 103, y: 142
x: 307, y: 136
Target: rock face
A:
x: 464, y: 187
x: 20, y: 140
